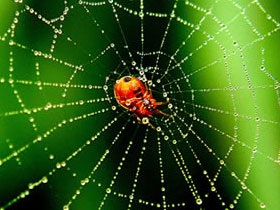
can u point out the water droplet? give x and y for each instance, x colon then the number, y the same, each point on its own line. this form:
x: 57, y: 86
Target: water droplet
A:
x: 63, y: 163
x: 11, y: 42
x: 127, y: 103
x: 268, y: 17
x: 44, y: 179
x: 30, y: 186
x: 244, y: 187
x: 22, y: 195
x: 58, y: 165
x: 141, y: 14
x: 145, y: 120
x: 198, y: 201
x: 262, y: 205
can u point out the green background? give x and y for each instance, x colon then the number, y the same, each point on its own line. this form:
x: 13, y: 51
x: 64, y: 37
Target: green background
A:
x: 242, y: 87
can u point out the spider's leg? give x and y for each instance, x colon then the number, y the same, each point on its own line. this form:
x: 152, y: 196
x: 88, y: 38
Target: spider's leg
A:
x: 138, y: 118
x: 122, y: 104
x: 148, y: 89
x: 151, y: 125
x: 132, y: 100
x: 160, y: 112
x: 162, y: 103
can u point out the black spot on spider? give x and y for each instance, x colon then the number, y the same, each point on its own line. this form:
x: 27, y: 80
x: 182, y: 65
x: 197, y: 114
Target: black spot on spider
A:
x: 139, y: 95
x: 136, y: 91
x: 127, y: 79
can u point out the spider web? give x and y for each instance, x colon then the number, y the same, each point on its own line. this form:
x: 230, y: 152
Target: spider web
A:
x: 67, y: 144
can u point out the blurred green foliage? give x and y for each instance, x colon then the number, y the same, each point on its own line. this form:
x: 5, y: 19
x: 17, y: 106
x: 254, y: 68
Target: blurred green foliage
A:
x: 226, y: 94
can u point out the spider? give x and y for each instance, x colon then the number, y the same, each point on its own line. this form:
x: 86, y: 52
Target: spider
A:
x: 136, y: 97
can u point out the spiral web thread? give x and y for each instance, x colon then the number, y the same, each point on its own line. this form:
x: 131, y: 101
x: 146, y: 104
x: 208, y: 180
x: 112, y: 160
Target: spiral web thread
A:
x: 173, y: 80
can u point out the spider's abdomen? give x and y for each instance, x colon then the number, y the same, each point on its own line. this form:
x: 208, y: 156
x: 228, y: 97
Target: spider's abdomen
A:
x: 133, y: 95
x: 128, y: 88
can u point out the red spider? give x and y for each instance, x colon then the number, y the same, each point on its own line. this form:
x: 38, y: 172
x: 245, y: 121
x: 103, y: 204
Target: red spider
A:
x: 132, y: 95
